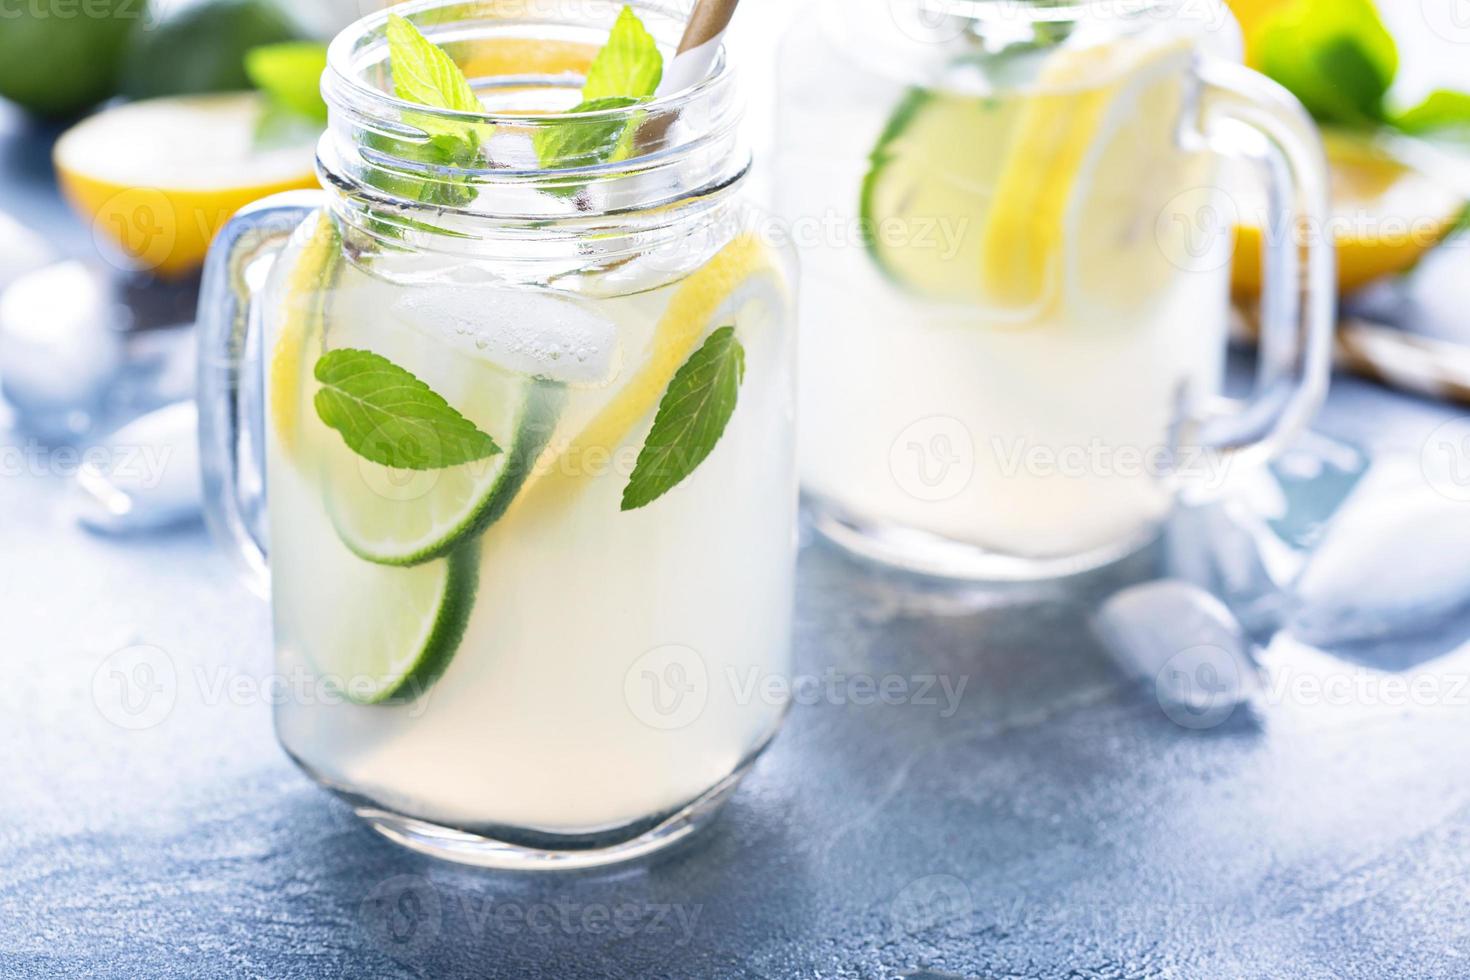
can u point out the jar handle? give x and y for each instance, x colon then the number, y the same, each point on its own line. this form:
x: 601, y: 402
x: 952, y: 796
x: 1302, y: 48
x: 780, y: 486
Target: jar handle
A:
x: 1299, y: 280
x: 231, y: 378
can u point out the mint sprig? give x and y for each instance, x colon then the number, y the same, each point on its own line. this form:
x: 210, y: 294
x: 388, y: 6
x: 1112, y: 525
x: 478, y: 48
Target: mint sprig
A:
x: 388, y: 416
x: 691, y: 418
x: 426, y: 75
x: 423, y: 73
x: 629, y: 64
x: 625, y: 72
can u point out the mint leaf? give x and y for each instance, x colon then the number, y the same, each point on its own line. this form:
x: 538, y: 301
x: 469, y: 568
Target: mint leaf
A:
x: 424, y: 74
x: 1440, y: 110
x: 583, y: 142
x: 691, y: 418
x: 290, y: 75
x: 388, y: 416
x: 629, y: 64
x: 625, y: 72
x: 1336, y: 56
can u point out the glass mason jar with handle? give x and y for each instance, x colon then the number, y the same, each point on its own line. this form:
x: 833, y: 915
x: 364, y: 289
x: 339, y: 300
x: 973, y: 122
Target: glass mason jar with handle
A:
x: 525, y: 419
x: 1015, y: 240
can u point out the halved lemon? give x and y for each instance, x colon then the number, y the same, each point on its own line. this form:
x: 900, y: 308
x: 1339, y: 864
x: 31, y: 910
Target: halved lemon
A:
x: 1385, y: 215
x: 158, y: 179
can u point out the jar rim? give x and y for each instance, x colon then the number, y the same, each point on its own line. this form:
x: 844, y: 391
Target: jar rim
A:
x: 343, y: 79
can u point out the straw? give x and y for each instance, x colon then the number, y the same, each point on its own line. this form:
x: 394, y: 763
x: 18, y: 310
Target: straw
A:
x: 699, y: 45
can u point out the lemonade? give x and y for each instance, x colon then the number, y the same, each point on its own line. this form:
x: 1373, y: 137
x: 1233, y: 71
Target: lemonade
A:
x: 1015, y: 309
x: 506, y: 660
x: 528, y: 425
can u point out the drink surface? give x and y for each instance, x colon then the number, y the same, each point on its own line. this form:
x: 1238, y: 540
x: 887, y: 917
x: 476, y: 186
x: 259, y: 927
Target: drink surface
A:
x: 596, y: 656
x: 1010, y: 299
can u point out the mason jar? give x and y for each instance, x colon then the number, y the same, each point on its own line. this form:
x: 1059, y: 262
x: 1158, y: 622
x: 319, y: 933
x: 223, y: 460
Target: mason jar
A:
x: 525, y: 427
x: 1015, y: 225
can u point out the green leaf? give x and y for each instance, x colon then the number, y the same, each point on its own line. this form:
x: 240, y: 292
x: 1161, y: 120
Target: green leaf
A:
x: 1334, y: 55
x: 424, y: 74
x: 691, y: 418
x: 290, y: 75
x: 1442, y: 109
x: 629, y: 64
x: 583, y: 142
x: 625, y: 72
x: 388, y: 416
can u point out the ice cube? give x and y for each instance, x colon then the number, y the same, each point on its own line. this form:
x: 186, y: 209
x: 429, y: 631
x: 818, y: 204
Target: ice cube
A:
x: 1392, y: 564
x: 529, y: 333
x: 22, y: 251
x: 1184, y: 642
x: 61, y: 344
x: 145, y: 475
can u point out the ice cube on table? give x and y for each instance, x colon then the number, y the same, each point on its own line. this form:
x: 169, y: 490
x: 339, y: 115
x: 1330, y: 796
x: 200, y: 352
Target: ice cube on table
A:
x: 1228, y: 549
x: 22, y: 251
x: 1393, y: 563
x: 1184, y: 642
x: 145, y: 475
x: 529, y: 333
x: 61, y: 344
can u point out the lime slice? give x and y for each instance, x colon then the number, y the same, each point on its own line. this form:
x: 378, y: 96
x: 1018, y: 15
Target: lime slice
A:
x: 407, y: 517
x: 378, y: 633
x: 933, y: 164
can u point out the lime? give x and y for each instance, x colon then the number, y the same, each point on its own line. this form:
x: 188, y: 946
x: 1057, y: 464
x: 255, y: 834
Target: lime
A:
x: 56, y: 65
x: 203, y: 48
x: 932, y: 164
x: 407, y: 517
x: 380, y: 633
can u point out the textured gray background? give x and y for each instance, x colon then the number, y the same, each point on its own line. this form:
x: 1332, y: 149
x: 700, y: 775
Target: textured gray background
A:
x: 1056, y: 825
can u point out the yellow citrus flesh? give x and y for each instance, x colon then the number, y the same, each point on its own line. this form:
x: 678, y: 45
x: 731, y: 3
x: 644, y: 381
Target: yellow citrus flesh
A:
x: 159, y: 178
x: 711, y: 293
x: 1386, y: 215
x: 1057, y: 138
x: 520, y: 56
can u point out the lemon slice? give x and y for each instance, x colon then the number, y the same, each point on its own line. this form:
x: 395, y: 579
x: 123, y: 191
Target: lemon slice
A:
x: 159, y: 178
x: 1000, y: 203
x: 308, y: 287
x: 1065, y: 131
x: 1386, y: 215
x: 743, y: 273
